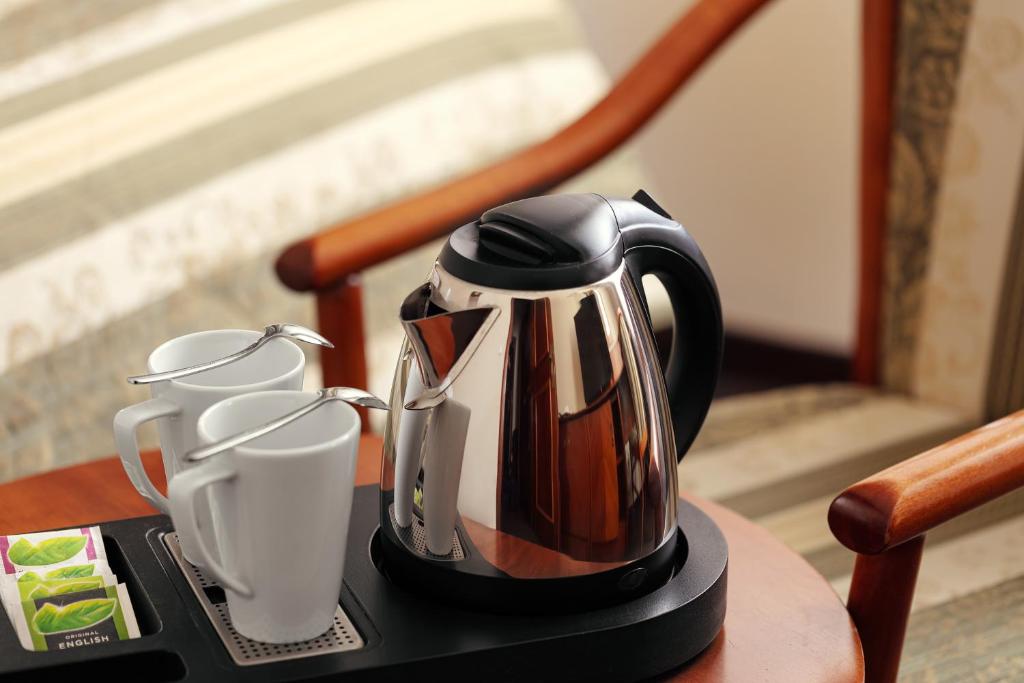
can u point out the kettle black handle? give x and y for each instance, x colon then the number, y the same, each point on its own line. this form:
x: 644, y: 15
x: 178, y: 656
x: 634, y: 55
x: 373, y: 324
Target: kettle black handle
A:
x: 654, y: 244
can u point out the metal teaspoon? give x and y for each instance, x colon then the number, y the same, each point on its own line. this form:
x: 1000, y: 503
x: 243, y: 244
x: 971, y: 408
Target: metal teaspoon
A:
x: 347, y: 394
x: 289, y: 330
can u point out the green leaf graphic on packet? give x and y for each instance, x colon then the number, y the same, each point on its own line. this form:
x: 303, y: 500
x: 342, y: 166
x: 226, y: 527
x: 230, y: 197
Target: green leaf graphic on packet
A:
x: 74, y: 571
x: 29, y: 590
x: 50, y: 552
x: 74, y: 616
x: 45, y: 591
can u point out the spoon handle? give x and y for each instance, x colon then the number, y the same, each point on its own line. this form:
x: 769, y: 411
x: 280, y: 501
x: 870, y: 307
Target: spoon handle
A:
x: 193, y: 369
x: 256, y: 432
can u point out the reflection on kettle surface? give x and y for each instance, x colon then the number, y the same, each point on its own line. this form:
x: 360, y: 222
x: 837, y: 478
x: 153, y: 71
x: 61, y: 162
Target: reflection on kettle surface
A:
x: 553, y: 462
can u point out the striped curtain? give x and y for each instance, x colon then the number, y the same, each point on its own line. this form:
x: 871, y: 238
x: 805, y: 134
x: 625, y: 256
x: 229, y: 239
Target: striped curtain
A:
x: 156, y: 154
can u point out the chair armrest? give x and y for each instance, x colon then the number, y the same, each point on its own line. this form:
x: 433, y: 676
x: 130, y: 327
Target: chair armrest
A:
x: 916, y: 495
x: 328, y: 257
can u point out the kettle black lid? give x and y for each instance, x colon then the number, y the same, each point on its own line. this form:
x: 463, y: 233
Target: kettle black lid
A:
x: 540, y: 243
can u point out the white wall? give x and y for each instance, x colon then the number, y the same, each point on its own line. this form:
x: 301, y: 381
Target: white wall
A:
x: 757, y: 156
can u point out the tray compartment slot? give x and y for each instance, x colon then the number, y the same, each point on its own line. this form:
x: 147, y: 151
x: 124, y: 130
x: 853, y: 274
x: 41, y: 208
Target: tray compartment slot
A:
x: 145, y: 614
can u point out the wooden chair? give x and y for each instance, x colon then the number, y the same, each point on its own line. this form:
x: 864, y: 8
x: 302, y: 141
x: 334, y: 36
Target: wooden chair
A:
x: 884, y: 518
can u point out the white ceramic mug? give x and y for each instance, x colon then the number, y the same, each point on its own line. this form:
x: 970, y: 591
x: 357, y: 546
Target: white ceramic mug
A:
x: 281, y: 505
x: 177, y: 404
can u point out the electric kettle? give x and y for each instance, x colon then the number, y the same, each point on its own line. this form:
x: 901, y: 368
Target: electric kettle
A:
x: 531, y: 447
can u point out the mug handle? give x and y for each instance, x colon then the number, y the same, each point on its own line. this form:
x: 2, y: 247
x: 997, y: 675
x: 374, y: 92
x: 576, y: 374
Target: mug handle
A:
x: 182, y: 492
x: 126, y: 424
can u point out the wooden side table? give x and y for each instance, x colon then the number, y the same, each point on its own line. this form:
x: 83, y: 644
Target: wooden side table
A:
x: 784, y: 622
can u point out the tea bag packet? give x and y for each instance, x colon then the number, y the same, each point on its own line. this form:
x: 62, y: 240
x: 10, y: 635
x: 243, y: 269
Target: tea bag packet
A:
x: 70, y: 571
x: 59, y: 592
x: 49, y: 555
x: 31, y: 586
x: 83, y: 618
x: 67, y: 578
x: 52, y: 554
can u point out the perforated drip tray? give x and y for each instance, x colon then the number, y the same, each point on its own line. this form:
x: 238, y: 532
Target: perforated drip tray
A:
x: 414, y: 537
x: 342, y: 637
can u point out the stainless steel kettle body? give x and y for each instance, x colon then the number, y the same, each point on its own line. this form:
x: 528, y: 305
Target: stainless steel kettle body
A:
x: 530, y: 452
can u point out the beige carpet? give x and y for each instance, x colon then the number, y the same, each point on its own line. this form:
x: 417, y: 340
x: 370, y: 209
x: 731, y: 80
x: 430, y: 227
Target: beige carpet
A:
x: 977, y: 638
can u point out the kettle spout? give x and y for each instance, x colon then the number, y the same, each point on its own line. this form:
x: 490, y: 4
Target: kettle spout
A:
x: 442, y: 341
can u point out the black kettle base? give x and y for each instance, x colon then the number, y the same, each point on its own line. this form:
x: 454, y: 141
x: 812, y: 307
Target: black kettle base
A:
x: 405, y: 635
x: 478, y: 585
x: 635, y: 632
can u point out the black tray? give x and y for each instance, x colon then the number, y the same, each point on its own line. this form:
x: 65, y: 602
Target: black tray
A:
x: 407, y: 637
